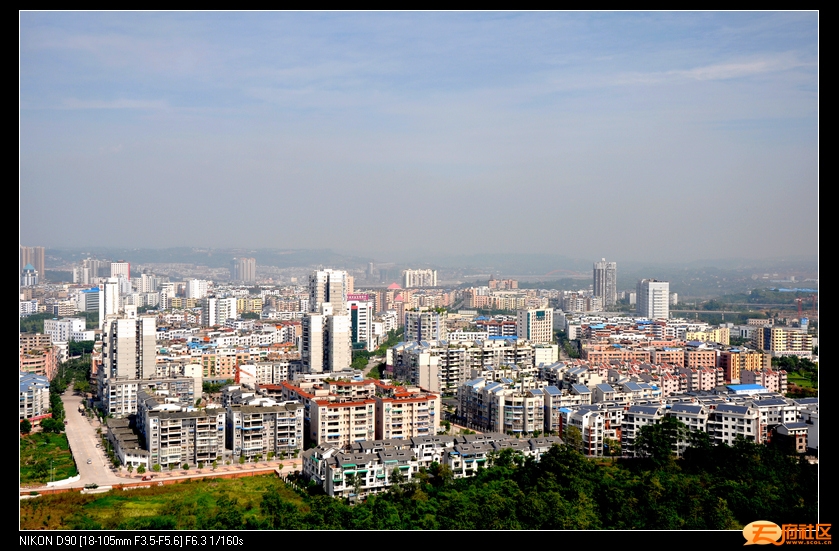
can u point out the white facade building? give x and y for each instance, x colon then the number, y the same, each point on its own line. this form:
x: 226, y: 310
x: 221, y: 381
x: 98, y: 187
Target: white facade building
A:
x: 328, y: 287
x: 425, y: 325
x: 361, y: 321
x: 536, y: 326
x: 419, y: 278
x: 653, y: 299
x: 62, y: 330
x: 121, y: 269
x: 326, y: 342
x: 196, y: 288
x: 109, y: 304
x: 216, y: 311
x: 129, y: 347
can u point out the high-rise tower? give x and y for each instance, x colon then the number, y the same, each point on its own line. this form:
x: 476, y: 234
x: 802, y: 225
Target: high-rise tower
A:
x: 606, y: 282
x: 34, y: 256
x: 108, y: 300
x: 419, y: 278
x: 244, y: 270
x: 128, y: 347
x: 121, y: 269
x: 328, y: 287
x: 327, y: 340
x: 653, y: 299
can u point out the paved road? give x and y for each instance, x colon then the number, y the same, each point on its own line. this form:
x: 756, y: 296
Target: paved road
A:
x: 371, y: 363
x: 81, y: 433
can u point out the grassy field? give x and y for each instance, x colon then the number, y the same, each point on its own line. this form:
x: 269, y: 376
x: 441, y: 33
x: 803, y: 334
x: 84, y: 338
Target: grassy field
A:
x: 183, y: 506
x: 799, y: 380
x: 43, y: 456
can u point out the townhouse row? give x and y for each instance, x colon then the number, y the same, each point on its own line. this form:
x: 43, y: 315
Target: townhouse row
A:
x: 374, y: 466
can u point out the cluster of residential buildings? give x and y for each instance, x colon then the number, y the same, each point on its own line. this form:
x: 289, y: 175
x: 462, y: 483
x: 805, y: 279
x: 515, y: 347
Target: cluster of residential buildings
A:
x: 293, y: 382
x: 613, y: 401
x: 169, y: 434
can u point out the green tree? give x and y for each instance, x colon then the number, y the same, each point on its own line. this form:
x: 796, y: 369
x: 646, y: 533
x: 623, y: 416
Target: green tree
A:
x: 156, y: 468
x: 397, y: 477
x: 658, y: 441
x: 141, y: 469
x: 573, y: 438
x: 79, y: 348
x: 25, y: 426
x: 280, y: 514
x: 82, y: 386
x: 52, y: 425
x: 612, y: 447
x: 354, y: 480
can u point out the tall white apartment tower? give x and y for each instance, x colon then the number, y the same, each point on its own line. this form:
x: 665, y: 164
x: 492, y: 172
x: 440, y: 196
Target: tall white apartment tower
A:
x: 653, y: 299
x: 108, y: 300
x: 361, y: 322
x: 327, y: 330
x: 606, y: 282
x: 328, y: 287
x: 197, y: 288
x: 128, y: 347
x: 216, y: 311
x: 121, y: 269
x: 419, y: 278
x: 311, y: 343
x: 338, y: 343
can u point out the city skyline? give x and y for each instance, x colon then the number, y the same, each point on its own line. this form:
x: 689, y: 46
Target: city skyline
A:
x: 656, y: 115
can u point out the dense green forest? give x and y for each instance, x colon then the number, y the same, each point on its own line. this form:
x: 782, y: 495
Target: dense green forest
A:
x: 716, y: 488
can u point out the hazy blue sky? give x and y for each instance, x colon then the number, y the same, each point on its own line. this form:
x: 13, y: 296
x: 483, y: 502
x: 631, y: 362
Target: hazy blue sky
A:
x: 645, y: 135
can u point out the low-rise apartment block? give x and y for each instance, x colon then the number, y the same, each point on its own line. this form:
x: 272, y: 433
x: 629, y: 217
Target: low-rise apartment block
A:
x: 177, y: 436
x: 265, y: 430
x: 407, y: 415
x: 119, y: 396
x: 34, y: 395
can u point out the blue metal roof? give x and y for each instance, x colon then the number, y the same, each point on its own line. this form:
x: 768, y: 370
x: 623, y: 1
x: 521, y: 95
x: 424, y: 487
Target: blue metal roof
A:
x: 746, y: 387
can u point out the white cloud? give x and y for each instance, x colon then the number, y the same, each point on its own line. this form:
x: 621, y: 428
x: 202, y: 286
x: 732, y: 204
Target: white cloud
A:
x: 724, y: 71
x: 73, y: 103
